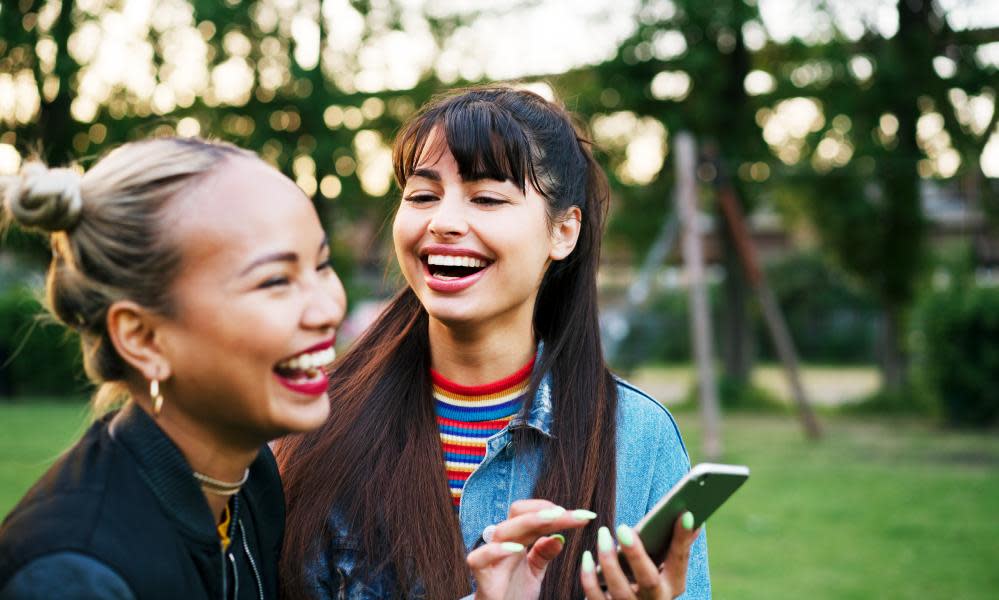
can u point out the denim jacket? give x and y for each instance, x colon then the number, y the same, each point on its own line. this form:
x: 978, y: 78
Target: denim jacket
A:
x: 651, y: 457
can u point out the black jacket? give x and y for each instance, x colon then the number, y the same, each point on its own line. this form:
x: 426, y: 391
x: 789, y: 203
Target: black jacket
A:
x: 123, y: 504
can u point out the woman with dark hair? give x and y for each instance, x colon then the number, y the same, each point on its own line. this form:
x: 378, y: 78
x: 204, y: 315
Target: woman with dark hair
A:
x: 483, y: 383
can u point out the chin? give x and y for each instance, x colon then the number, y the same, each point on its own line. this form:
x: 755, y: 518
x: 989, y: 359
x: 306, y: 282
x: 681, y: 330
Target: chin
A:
x: 301, y: 417
x: 457, y: 311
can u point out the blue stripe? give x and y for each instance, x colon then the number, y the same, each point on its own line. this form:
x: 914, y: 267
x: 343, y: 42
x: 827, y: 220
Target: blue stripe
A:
x: 469, y: 459
x: 473, y: 433
x: 474, y: 415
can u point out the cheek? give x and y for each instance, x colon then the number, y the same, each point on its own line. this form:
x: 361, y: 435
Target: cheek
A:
x: 407, y: 231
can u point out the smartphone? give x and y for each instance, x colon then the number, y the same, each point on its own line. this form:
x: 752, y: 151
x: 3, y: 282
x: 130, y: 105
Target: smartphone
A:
x: 701, y: 491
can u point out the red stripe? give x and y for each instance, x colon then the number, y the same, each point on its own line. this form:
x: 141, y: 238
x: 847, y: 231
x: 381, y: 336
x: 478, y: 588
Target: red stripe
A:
x: 457, y: 475
x: 488, y: 388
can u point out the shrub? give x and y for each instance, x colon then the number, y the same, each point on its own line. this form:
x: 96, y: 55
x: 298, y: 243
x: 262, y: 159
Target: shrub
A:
x: 957, y: 348
x: 37, y: 357
x: 830, y: 321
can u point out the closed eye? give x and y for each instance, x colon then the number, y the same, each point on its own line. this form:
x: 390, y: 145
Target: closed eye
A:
x: 420, y: 198
x: 271, y: 282
x: 489, y: 201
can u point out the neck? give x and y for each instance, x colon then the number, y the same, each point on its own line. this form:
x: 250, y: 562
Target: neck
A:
x: 480, y: 355
x: 209, y: 452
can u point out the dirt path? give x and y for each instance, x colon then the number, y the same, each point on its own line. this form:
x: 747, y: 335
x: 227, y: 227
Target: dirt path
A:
x: 825, y: 386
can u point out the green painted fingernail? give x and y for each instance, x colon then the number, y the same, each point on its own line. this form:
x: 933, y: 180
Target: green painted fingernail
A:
x: 604, y: 541
x: 559, y: 537
x: 624, y: 535
x: 688, y: 520
x: 583, y: 515
x: 550, y: 514
x: 512, y: 547
x: 587, y: 562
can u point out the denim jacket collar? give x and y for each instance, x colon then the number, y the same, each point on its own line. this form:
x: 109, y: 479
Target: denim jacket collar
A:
x: 538, y: 415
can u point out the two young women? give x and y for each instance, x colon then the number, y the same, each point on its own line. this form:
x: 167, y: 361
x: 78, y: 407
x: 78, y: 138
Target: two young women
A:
x: 197, y: 279
x: 488, y: 367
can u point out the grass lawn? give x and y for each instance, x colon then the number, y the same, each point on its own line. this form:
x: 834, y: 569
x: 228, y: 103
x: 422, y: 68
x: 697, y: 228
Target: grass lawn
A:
x: 881, y: 508
x: 31, y: 438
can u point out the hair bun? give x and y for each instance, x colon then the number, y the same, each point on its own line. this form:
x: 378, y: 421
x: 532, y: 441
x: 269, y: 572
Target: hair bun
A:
x: 45, y: 198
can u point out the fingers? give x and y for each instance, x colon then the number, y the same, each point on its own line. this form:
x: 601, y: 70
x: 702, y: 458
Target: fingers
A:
x: 588, y: 577
x: 531, y: 505
x: 643, y: 569
x: 617, y: 582
x: 491, y: 555
x: 528, y: 526
x: 678, y: 557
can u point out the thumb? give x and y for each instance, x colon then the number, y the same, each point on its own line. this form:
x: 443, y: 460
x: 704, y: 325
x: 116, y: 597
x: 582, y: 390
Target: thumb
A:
x: 543, y: 552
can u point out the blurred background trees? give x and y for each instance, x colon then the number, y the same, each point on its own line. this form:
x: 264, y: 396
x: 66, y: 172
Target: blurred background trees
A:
x: 859, y: 136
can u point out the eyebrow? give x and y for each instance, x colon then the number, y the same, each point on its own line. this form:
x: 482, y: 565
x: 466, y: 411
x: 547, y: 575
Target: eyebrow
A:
x: 427, y: 174
x: 433, y: 175
x: 280, y: 257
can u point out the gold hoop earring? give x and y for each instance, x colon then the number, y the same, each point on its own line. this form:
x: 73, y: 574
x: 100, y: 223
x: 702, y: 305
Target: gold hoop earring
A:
x: 154, y: 393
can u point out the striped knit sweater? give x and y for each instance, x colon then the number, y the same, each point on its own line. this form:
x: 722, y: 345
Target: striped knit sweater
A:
x: 468, y: 415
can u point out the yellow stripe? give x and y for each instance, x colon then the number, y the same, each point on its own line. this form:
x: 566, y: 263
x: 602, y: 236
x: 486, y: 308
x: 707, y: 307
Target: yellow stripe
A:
x: 460, y: 467
x: 509, y: 394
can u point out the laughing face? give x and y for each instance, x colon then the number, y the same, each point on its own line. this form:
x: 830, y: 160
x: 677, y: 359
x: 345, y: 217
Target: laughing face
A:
x: 473, y: 250
x: 257, y: 306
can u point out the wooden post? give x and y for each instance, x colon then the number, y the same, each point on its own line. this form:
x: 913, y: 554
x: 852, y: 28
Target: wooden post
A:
x: 693, y: 256
x: 768, y: 302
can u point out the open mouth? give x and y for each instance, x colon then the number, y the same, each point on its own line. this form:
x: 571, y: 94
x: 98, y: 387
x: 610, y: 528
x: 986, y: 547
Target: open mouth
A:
x: 304, y: 372
x: 450, y: 268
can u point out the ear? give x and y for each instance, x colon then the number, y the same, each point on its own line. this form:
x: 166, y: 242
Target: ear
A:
x: 133, y: 331
x: 565, y: 233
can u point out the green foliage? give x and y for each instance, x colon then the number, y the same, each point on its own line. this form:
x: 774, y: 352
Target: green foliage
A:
x: 831, y: 320
x: 958, y: 344
x: 37, y: 357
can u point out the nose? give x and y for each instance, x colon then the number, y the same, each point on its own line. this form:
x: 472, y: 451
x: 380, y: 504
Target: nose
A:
x: 327, y: 304
x: 448, y: 219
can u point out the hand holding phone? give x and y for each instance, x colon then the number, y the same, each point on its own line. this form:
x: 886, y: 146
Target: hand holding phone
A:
x: 701, y: 491
x: 658, y: 560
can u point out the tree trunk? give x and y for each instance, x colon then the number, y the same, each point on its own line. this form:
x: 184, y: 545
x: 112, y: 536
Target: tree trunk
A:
x: 893, y: 361
x: 737, y: 339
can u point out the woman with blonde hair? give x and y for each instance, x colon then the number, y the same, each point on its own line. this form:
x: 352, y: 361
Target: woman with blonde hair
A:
x: 198, y: 279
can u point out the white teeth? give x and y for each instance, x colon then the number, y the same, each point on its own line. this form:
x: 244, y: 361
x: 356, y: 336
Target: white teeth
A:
x: 446, y: 260
x: 306, y: 362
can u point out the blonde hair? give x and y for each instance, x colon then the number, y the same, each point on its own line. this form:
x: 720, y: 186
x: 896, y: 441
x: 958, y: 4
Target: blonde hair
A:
x: 109, y: 232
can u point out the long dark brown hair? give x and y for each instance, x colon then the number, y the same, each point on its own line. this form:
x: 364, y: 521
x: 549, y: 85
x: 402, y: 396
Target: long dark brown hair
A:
x: 378, y: 460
